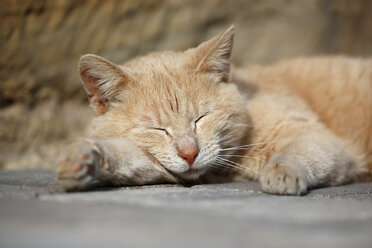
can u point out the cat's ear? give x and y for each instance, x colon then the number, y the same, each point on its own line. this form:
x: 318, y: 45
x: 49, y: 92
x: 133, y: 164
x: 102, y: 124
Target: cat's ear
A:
x: 102, y: 80
x: 214, y: 55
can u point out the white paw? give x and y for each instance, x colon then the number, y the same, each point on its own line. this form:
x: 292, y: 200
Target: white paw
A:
x: 80, y: 167
x: 279, y: 178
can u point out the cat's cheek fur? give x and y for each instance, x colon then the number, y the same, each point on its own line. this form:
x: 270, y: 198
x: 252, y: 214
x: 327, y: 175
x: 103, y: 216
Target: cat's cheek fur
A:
x: 161, y: 149
x: 171, y: 162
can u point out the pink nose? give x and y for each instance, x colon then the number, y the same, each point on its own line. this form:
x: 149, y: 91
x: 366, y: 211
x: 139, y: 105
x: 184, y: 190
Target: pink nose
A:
x: 189, y: 154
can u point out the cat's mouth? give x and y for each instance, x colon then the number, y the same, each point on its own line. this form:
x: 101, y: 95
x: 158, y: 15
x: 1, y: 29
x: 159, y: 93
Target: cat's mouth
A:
x: 192, y: 173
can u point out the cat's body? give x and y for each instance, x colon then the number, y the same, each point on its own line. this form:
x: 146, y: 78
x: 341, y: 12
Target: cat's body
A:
x: 185, y: 117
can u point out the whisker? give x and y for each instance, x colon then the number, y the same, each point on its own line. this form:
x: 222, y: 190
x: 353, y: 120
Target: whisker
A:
x: 217, y: 163
x: 228, y: 134
x: 229, y: 138
x: 240, y: 156
x: 226, y: 165
x: 236, y: 149
x: 247, y: 146
x: 230, y: 162
x: 237, y: 164
x: 242, y: 125
x: 258, y: 149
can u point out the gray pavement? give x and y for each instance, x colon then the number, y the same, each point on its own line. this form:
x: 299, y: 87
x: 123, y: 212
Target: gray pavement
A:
x: 35, y: 212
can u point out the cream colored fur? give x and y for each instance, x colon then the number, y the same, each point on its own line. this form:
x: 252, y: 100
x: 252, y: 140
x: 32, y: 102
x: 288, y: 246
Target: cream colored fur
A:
x: 187, y: 117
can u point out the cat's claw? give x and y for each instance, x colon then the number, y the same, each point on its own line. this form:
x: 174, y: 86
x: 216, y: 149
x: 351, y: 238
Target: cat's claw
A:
x: 281, y: 179
x: 80, y: 167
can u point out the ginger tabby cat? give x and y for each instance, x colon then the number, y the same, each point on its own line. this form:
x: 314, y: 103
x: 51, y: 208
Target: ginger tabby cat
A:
x: 188, y: 117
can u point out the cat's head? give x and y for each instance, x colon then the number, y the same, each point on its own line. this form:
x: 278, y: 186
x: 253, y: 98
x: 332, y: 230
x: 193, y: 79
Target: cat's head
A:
x: 179, y: 107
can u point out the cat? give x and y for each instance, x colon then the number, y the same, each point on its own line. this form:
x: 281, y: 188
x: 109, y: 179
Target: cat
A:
x: 190, y: 117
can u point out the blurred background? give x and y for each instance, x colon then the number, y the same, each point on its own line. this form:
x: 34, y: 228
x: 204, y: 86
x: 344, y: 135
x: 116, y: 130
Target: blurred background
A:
x: 42, y: 104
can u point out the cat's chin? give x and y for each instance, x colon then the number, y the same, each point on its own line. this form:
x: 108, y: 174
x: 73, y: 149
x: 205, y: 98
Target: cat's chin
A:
x: 192, y: 174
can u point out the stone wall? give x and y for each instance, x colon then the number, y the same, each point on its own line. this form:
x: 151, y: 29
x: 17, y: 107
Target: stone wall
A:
x: 42, y: 105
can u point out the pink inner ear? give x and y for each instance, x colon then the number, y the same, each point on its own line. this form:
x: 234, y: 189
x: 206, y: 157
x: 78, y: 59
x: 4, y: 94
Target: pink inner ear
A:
x: 101, y: 80
x: 90, y: 84
x: 95, y: 96
x: 216, y: 54
x: 100, y: 104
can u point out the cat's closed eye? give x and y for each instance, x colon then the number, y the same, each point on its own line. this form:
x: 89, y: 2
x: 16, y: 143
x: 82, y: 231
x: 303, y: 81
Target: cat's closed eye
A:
x: 197, y: 121
x: 199, y: 118
x: 160, y: 130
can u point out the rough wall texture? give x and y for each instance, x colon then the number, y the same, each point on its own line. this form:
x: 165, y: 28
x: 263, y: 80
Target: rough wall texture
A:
x: 42, y: 105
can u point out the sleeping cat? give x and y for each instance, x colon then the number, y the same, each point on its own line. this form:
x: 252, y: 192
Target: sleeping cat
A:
x: 188, y: 117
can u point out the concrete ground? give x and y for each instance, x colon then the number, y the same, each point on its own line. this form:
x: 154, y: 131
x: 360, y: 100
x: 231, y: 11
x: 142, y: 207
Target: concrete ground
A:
x: 35, y: 212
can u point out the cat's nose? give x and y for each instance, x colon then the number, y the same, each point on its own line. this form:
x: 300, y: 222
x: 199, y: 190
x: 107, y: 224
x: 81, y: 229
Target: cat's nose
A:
x: 187, y: 148
x: 189, y: 153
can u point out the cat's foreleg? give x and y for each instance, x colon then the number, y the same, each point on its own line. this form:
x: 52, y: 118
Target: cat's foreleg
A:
x: 90, y: 163
x: 308, y: 161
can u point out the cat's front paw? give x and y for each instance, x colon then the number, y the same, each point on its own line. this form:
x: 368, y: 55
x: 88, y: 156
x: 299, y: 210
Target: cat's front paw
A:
x: 80, y: 167
x: 280, y: 178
